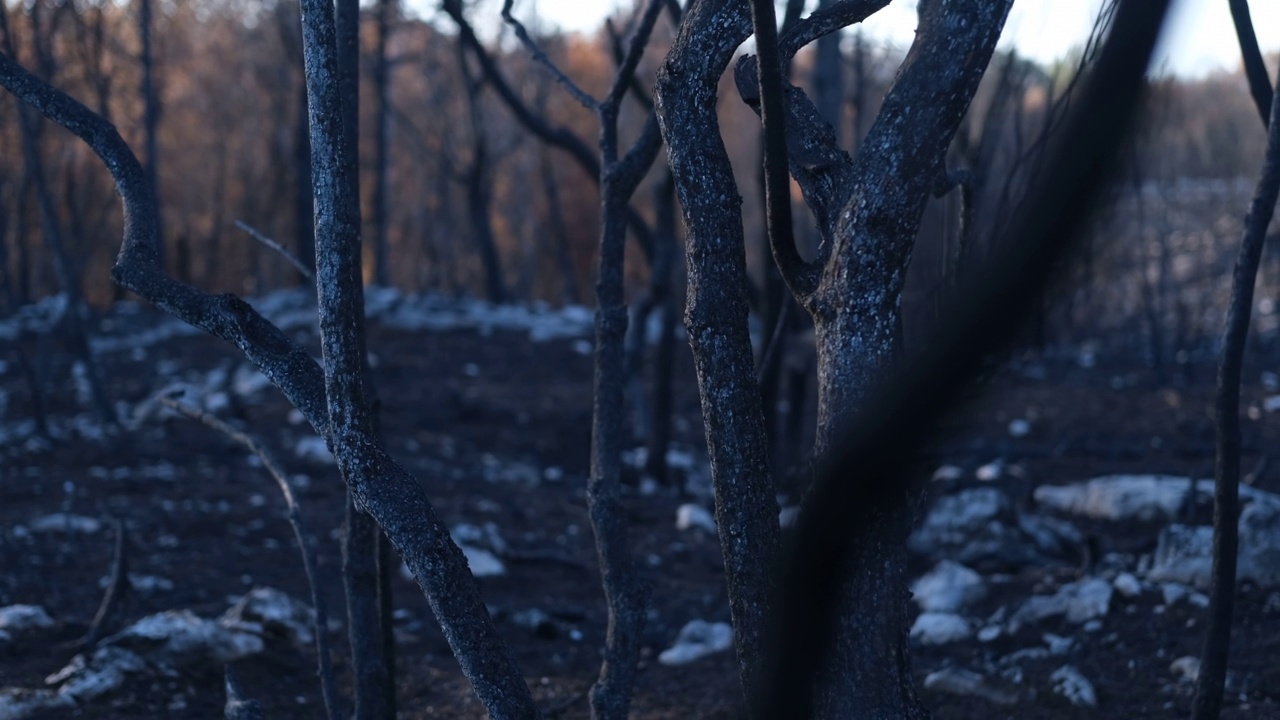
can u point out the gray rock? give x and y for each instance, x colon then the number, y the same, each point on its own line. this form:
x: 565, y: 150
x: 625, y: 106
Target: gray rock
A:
x: 1136, y: 497
x: 1185, y: 554
x: 1079, y: 602
x: 21, y: 703
x: 692, y: 515
x: 275, y: 611
x: 1186, y: 668
x: 87, y: 678
x: 955, y: 681
x: 1127, y: 585
x: 1118, y: 497
x: 979, y: 528
x: 940, y: 628
x: 176, y: 637
x: 1069, y: 683
x: 965, y: 527
x: 697, y: 639
x: 948, y: 587
x: 22, y: 618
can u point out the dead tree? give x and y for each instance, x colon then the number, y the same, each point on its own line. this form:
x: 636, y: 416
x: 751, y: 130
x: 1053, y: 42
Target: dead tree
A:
x: 333, y: 399
x: 879, y: 447
x: 867, y: 211
x: 1226, y: 495
x: 626, y: 594
x: 367, y: 628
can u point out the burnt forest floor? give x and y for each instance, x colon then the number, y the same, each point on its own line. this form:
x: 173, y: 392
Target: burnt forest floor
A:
x: 497, y: 428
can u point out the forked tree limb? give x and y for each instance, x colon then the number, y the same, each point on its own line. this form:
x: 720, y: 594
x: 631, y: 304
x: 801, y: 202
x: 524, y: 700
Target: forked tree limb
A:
x: 878, y: 449
x: 388, y: 491
x: 1226, y: 493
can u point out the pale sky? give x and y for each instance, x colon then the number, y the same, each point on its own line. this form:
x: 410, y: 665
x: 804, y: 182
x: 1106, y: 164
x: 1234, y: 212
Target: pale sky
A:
x: 1200, y: 40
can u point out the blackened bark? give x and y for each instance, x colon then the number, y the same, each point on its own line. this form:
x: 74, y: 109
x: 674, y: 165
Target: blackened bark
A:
x: 716, y: 317
x: 360, y: 547
x: 383, y: 487
x: 626, y: 594
x: 856, y: 311
x: 878, y: 452
x: 1255, y: 69
x: 1226, y: 496
x: 868, y: 212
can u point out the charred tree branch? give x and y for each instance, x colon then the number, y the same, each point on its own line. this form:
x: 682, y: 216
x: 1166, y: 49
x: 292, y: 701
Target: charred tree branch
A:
x: 1226, y: 494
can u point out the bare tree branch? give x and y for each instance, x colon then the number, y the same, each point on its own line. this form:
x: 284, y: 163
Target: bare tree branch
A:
x: 800, y: 276
x: 825, y: 21
x: 557, y: 136
x: 1255, y: 69
x: 332, y: 701
x: 541, y: 58
x: 284, y: 252
x: 1226, y: 495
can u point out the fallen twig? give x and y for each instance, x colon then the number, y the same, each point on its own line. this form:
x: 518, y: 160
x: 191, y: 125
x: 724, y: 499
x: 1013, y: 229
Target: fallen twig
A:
x: 118, y: 588
x: 294, y: 515
x: 307, y: 272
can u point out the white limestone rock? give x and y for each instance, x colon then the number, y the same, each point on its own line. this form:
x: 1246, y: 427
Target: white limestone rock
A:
x: 957, y: 681
x: 1185, y: 554
x: 176, y: 637
x: 85, y: 678
x: 940, y: 628
x: 1069, y: 683
x: 1078, y: 602
x: 948, y: 587
x: 697, y: 639
x: 275, y: 611
x: 21, y: 703
x: 693, y: 515
x: 22, y: 618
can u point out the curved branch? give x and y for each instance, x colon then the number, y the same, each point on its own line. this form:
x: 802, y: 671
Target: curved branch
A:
x: 386, y: 489
x: 541, y: 58
x: 800, y: 277
x: 627, y: 70
x: 1226, y: 494
x: 824, y: 22
x: 1255, y: 69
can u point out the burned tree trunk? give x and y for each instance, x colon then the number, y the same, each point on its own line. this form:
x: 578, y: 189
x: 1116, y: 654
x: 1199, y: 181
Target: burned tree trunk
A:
x: 867, y: 211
